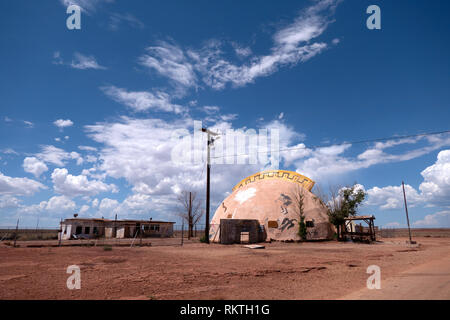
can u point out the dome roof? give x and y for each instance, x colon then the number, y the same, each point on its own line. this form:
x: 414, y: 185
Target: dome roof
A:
x: 270, y: 197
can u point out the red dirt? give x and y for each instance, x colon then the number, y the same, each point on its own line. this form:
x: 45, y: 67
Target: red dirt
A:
x: 322, y: 270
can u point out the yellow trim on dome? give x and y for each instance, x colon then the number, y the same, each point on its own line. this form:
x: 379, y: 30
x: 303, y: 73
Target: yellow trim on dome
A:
x: 291, y: 176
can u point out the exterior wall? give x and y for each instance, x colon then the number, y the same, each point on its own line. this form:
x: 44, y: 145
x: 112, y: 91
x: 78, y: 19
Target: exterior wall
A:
x: 271, y: 202
x: 109, y: 232
x: 112, y: 229
x: 120, y: 233
x: 231, y: 229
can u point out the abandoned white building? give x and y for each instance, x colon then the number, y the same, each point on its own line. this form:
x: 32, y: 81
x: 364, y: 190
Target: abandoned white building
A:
x: 79, y: 228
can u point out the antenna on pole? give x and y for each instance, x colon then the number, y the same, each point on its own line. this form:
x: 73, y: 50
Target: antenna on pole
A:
x: 210, y: 141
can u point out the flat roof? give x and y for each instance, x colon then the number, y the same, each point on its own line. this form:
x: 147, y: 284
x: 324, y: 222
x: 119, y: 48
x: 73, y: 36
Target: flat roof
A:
x: 120, y: 221
x: 359, y: 218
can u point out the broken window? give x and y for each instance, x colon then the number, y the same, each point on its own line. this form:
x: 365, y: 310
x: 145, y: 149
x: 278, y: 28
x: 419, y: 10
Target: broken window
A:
x: 154, y: 227
x: 87, y: 230
x: 79, y: 230
x: 309, y: 224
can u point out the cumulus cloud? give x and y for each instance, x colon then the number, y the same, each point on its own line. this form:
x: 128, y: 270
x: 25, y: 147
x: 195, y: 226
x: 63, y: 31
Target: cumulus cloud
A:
x: 61, y: 123
x: 140, y: 150
x: 436, y: 185
x: 19, y: 186
x: 434, y: 190
x: 142, y: 100
x: 57, y: 156
x: 391, y: 197
x: 8, y: 201
x: 438, y: 219
x: 72, y: 186
x: 34, y: 166
x: 55, y: 205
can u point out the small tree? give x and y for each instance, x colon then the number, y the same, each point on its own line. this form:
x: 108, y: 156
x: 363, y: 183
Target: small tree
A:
x: 342, y: 203
x: 298, y: 197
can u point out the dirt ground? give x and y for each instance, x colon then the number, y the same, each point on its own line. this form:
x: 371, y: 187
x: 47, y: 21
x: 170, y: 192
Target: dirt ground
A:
x: 316, y: 270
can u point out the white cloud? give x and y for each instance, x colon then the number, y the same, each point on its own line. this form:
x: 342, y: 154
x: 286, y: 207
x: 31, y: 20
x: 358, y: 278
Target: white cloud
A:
x: 108, y: 204
x: 34, y: 166
x: 142, y: 100
x: 55, y: 205
x: 19, y: 186
x: 87, y: 6
x: 61, y: 123
x: 8, y: 201
x: 241, y: 51
x: 72, y: 186
x: 83, y: 62
x: 434, y: 190
x: 292, y: 44
x: 169, y: 61
x: 331, y: 161
x: 140, y: 150
x: 436, y: 185
x: 9, y: 151
x: 85, y: 208
x: 60, y: 203
x: 87, y: 148
x: 57, y: 156
x: 29, y: 124
x: 438, y: 219
x: 391, y: 197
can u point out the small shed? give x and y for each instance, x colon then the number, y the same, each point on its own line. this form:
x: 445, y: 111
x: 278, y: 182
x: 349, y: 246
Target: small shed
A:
x: 359, y: 232
x: 239, y: 231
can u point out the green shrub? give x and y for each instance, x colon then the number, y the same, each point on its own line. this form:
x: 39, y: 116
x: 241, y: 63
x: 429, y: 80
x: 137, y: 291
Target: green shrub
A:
x: 203, y: 239
x: 302, y: 228
x: 107, y: 248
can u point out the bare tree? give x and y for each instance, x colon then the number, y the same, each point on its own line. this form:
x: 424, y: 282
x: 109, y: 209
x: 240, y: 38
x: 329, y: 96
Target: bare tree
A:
x: 190, y: 210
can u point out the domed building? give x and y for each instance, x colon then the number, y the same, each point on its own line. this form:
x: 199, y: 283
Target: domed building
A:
x: 265, y: 207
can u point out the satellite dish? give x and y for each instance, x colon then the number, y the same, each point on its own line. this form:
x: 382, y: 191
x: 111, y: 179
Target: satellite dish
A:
x: 75, y: 215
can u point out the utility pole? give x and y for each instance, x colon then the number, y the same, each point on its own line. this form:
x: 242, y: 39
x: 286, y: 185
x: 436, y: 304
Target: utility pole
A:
x: 406, y: 209
x: 210, y: 141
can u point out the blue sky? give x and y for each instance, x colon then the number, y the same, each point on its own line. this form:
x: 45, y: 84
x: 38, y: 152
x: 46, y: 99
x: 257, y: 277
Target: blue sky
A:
x: 87, y: 115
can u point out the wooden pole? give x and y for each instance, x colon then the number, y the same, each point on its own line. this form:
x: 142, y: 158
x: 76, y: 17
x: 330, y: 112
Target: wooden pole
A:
x: 60, y: 233
x: 15, y: 234
x: 406, y: 209
x: 182, y: 232
x: 208, y: 170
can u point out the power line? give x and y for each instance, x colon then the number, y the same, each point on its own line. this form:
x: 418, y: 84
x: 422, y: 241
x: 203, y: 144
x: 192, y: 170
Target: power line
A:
x: 343, y: 143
